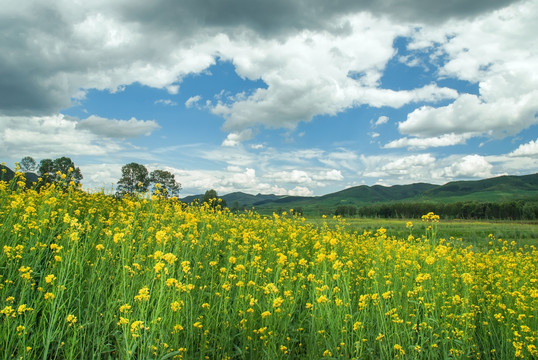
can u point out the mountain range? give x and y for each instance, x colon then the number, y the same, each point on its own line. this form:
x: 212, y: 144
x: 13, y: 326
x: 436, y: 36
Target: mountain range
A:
x: 494, y: 189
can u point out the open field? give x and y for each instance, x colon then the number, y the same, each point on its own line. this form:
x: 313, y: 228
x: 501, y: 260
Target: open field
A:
x: 90, y: 276
x: 470, y: 232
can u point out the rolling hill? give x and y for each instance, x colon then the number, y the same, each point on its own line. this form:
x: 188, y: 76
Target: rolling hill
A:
x: 491, y: 190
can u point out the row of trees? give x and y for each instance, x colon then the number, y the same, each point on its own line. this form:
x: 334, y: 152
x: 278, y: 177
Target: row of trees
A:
x: 514, y: 210
x: 135, y: 178
x: 52, y: 170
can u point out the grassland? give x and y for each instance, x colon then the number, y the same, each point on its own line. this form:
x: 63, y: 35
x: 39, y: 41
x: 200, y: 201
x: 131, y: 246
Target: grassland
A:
x: 476, y: 233
x: 88, y: 276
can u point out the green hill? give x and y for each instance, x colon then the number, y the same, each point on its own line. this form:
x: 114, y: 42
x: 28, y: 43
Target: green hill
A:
x: 496, y: 189
x: 493, y: 189
x: 243, y: 200
x: 6, y: 174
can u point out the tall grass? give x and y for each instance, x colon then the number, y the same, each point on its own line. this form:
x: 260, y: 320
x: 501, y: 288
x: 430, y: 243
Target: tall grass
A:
x: 86, y: 276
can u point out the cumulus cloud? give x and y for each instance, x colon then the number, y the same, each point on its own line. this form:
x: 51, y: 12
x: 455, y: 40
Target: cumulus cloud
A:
x: 313, y: 68
x: 49, y: 136
x: 528, y: 149
x: 381, y: 120
x: 235, y: 138
x: 300, y: 191
x: 470, y: 166
x: 192, y: 101
x: 423, y: 143
x: 498, y: 51
x: 117, y: 128
x: 330, y: 175
x: 311, y: 73
x: 167, y: 102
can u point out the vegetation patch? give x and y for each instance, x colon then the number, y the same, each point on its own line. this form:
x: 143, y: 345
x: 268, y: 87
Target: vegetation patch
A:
x: 96, y: 276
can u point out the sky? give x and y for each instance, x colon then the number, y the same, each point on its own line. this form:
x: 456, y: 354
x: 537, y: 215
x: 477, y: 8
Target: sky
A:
x: 290, y: 97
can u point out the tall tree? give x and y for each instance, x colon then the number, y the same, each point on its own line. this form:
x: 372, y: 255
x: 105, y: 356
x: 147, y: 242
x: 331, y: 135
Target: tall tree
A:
x: 210, y: 197
x: 45, y: 167
x: 28, y: 164
x: 165, y: 182
x: 134, y: 179
x: 67, y: 167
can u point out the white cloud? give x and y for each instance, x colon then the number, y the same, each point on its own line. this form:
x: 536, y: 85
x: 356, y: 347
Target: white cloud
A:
x: 117, y: 128
x: 167, y: 102
x: 235, y: 138
x: 528, y: 149
x: 192, y: 101
x: 100, y: 176
x: 300, y: 191
x: 409, y: 162
x: 393, y: 169
x: 50, y: 136
x: 469, y: 114
x: 293, y: 176
x: 424, y: 143
x: 381, y: 120
x: 330, y: 175
x: 308, y: 74
x: 496, y: 50
x: 470, y: 166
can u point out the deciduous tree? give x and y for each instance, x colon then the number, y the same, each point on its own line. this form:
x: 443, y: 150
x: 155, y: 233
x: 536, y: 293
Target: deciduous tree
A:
x: 165, y: 182
x: 134, y: 179
x: 28, y: 164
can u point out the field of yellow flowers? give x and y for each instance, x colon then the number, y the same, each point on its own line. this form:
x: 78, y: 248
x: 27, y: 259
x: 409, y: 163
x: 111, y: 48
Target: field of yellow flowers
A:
x: 90, y: 276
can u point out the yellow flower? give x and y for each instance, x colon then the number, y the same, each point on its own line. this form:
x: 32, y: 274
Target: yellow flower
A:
x: 399, y: 349
x: 50, y: 278
x: 23, y: 308
x: 277, y: 302
x: 8, y: 311
x: 143, y: 294
x: 71, y: 319
x: 125, y: 308
x: 265, y: 314
x: 198, y: 325
x: 136, y: 326
x: 158, y: 267
x: 99, y: 247
x: 176, y: 306
x: 49, y: 296
x: 123, y: 321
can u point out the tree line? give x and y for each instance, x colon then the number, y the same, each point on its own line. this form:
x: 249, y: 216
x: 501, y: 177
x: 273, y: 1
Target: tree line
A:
x: 508, y: 210
x: 135, y: 178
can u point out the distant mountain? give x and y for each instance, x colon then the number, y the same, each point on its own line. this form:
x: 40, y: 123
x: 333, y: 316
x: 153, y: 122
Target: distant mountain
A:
x: 493, y: 189
x: 8, y: 175
x: 243, y: 200
x: 489, y: 190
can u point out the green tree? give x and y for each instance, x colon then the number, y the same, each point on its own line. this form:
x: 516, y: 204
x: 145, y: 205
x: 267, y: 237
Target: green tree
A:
x: 67, y: 167
x: 210, y: 197
x: 134, y: 179
x: 28, y: 164
x: 165, y: 182
x: 45, y: 167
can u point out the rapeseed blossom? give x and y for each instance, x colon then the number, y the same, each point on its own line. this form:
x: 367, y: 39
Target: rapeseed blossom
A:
x: 134, y: 272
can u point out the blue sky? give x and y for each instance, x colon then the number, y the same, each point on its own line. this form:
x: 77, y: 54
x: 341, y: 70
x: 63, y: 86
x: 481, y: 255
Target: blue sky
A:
x: 284, y: 97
